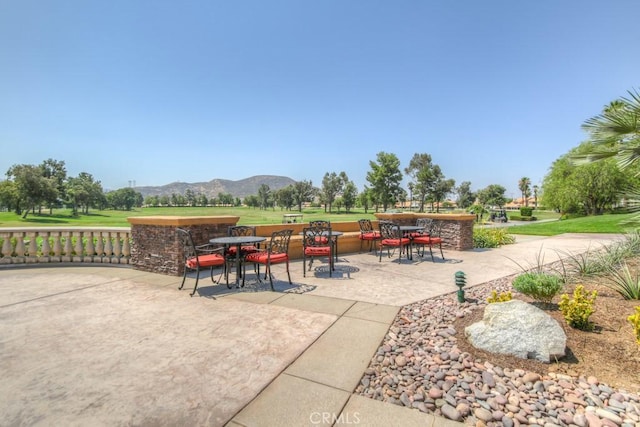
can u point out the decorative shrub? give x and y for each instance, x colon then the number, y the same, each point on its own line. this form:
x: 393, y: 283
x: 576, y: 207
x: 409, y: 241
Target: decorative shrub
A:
x: 542, y: 287
x: 504, y: 296
x: 526, y: 211
x: 624, y: 282
x: 635, y: 322
x: 491, y: 237
x: 577, y: 310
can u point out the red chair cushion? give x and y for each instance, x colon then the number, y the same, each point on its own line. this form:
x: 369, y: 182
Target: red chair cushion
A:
x: 262, y: 257
x: 205, y: 261
x: 426, y: 240
x: 396, y: 242
x: 318, y: 251
x: 374, y: 235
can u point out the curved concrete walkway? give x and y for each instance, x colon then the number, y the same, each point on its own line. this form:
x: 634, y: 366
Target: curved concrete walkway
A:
x: 116, y: 346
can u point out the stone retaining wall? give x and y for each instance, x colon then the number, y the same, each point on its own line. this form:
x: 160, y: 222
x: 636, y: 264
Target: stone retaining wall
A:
x: 156, y: 247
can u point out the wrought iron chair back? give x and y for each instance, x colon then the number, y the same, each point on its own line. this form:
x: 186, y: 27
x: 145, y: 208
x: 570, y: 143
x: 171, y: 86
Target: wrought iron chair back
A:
x: 368, y: 234
x: 319, y: 223
x: 317, y: 242
x: 198, y: 257
x: 433, y: 236
x: 276, y: 252
x: 424, y: 222
x: 242, y: 230
x: 391, y: 237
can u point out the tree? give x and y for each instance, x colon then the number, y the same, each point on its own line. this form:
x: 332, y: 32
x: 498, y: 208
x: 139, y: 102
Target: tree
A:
x: 124, y: 199
x: 385, y: 178
x: 492, y: 195
x: 190, y: 197
x: 56, y: 171
x: 410, y: 186
x: 583, y: 188
x: 441, y: 187
x: 465, y: 196
x: 349, y: 195
x: 303, y: 191
x: 365, y: 199
x: 226, y: 199
x: 9, y: 197
x: 264, y: 195
x: 252, y: 201
x: 32, y: 187
x: 284, y: 197
x: 332, y: 186
x: 152, y: 201
x: 615, y: 133
x: 421, y: 171
x: 525, y: 189
x: 84, y: 192
x: 535, y: 197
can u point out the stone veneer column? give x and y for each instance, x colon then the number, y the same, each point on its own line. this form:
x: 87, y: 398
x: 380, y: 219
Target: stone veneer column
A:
x: 155, y: 246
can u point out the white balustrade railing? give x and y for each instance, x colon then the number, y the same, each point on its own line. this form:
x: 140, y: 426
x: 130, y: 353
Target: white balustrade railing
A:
x: 24, y: 245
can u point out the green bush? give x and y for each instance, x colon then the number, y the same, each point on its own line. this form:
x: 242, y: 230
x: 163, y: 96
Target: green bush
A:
x: 526, y: 211
x: 578, y: 309
x: 491, y: 237
x: 542, y: 287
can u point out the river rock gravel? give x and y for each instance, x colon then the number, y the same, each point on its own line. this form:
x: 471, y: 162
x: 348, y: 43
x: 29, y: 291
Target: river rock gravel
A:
x: 418, y: 365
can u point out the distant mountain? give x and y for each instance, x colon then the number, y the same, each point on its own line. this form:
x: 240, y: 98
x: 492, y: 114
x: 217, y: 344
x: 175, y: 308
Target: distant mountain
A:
x: 244, y: 187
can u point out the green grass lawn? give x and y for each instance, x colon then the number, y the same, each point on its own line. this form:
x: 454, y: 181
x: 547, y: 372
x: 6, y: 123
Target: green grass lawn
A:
x: 111, y: 218
x: 591, y: 224
x: 250, y: 216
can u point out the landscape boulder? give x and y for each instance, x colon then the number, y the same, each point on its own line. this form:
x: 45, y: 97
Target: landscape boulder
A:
x: 519, y: 329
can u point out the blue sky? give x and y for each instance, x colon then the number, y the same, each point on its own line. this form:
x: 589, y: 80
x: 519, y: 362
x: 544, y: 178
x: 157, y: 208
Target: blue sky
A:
x: 163, y: 91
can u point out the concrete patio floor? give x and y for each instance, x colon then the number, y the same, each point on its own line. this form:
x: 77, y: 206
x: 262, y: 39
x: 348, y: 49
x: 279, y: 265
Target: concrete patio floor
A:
x: 116, y: 346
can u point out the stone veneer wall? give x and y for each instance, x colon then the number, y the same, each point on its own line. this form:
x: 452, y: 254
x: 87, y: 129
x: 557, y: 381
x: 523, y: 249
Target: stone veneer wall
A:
x: 457, y: 229
x: 156, y: 248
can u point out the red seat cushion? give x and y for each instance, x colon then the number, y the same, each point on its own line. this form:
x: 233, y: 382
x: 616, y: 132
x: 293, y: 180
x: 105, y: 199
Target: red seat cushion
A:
x: 262, y: 257
x: 374, y: 235
x: 205, y: 261
x: 317, y: 251
x: 396, y: 242
x: 426, y: 240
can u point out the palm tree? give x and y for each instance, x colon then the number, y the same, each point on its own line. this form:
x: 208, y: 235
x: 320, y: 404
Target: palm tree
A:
x: 615, y: 132
x: 525, y: 188
x: 535, y: 197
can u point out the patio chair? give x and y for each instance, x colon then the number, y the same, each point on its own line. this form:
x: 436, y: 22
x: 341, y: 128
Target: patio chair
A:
x: 432, y: 237
x: 326, y: 224
x: 276, y: 252
x: 425, y: 223
x: 392, y: 237
x: 317, y: 242
x: 241, y: 230
x: 368, y: 234
x: 199, y: 257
